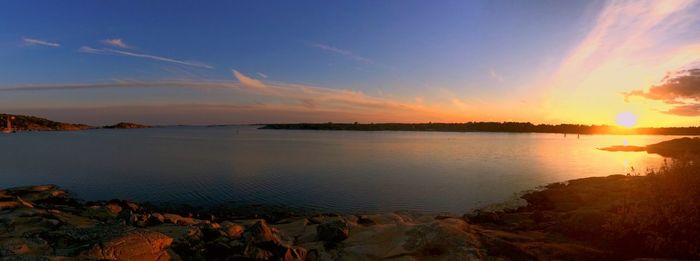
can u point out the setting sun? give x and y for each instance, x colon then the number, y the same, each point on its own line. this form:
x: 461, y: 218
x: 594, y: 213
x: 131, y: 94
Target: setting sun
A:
x: 626, y: 119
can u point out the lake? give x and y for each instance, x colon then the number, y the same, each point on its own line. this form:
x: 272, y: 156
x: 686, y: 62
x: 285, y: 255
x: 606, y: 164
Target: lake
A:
x: 346, y: 171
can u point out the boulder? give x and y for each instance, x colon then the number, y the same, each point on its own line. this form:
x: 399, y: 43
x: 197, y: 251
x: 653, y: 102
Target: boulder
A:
x: 9, y: 204
x: 234, y: 230
x: 156, y: 218
x: 260, y: 232
x: 135, y: 245
x: 334, y: 231
x: 114, y: 208
x: 179, y: 220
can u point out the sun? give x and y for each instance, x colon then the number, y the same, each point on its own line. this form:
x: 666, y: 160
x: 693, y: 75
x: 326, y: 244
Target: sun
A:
x: 626, y: 119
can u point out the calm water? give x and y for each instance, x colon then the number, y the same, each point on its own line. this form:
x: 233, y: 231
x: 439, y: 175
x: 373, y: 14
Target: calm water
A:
x: 331, y: 170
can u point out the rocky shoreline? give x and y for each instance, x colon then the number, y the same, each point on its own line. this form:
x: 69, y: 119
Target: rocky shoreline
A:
x: 562, y: 221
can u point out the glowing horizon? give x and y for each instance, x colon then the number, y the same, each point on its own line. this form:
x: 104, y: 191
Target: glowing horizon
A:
x: 589, y: 64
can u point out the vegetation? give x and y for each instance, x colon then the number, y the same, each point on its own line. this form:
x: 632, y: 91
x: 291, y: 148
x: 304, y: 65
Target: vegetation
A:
x: 628, y: 216
x: 125, y: 125
x: 518, y: 127
x: 661, y: 214
x: 31, y: 123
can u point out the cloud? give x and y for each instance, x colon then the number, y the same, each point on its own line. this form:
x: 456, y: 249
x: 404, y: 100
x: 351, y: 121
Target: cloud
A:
x: 345, y: 53
x: 87, y: 49
x: 275, y: 96
x: 189, y: 113
x: 495, y: 75
x: 685, y: 110
x: 116, y: 42
x: 249, y: 82
x: 459, y: 104
x: 200, y: 84
x: 629, y: 44
x: 262, y: 75
x: 680, y: 89
x: 33, y: 42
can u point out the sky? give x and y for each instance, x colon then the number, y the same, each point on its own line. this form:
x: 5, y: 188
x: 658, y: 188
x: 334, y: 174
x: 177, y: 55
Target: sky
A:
x: 237, y: 62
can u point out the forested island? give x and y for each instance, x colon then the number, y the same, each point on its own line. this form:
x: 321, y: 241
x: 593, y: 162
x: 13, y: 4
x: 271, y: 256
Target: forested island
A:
x: 515, y: 127
x: 14, y: 123
x: 31, y: 123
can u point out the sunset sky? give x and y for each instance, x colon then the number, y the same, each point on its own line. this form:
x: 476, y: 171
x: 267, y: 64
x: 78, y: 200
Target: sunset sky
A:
x: 172, y: 62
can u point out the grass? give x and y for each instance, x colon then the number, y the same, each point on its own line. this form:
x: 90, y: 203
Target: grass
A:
x: 660, y: 216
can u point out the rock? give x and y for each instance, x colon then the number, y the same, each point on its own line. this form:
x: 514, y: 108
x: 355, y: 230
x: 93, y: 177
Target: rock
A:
x: 114, y: 208
x: 334, y: 231
x: 179, y: 220
x: 210, y: 233
x: 218, y: 251
x: 297, y: 230
x: 451, y: 239
x: 260, y: 232
x: 294, y: 253
x: 257, y: 253
x: 362, y: 220
x: 261, y: 242
x: 23, y: 246
x: 484, y: 217
x: 24, y: 203
x: 540, y: 216
x: 75, y: 220
x: 33, y: 194
x: 131, y: 205
x: 136, y: 245
x: 9, y: 204
x: 156, y: 218
x: 97, y: 212
x: 179, y: 233
x: 234, y: 230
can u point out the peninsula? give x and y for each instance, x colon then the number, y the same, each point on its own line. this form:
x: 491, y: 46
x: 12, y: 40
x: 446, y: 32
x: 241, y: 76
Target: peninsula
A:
x: 514, y: 127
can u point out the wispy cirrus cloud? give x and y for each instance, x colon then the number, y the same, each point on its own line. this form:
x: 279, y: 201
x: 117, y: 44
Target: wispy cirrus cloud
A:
x: 630, y: 44
x: 495, y: 75
x: 116, y: 42
x: 248, y: 81
x: 262, y: 75
x: 32, y: 42
x: 88, y: 49
x: 278, y: 98
x: 345, y: 53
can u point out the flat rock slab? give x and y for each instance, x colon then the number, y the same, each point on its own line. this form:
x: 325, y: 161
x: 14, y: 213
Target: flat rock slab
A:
x: 136, y: 245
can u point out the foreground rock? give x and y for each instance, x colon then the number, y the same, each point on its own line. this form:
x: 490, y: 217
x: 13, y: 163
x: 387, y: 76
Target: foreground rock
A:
x: 564, y: 221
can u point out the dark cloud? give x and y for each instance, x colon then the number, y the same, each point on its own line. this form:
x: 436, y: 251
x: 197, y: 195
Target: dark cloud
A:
x: 681, y: 89
x: 685, y: 110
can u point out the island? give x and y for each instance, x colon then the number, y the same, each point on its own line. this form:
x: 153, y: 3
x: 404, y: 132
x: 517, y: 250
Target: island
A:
x: 20, y: 123
x: 126, y: 125
x: 513, y: 127
x: 31, y: 123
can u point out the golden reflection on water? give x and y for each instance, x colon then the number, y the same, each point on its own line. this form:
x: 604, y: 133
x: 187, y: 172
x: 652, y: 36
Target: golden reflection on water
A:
x: 634, y: 162
x: 349, y: 171
x: 580, y: 157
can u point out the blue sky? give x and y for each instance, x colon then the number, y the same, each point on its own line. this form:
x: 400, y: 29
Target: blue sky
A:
x: 317, y: 60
